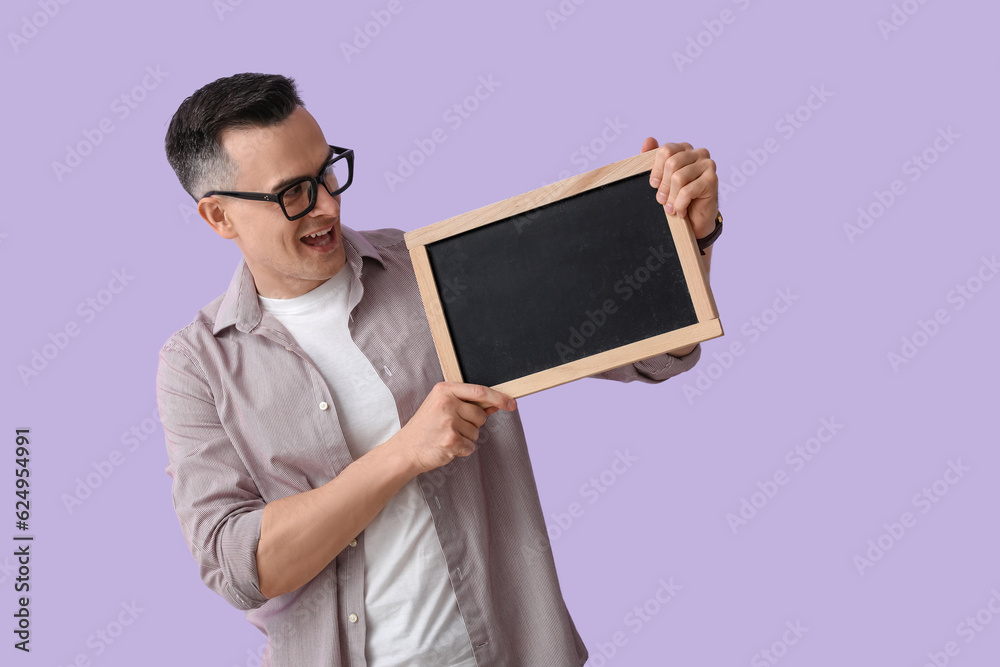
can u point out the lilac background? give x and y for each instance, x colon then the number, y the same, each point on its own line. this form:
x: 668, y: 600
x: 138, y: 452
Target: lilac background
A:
x: 698, y: 456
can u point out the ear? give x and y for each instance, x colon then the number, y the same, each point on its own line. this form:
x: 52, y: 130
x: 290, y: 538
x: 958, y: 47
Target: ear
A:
x: 212, y: 211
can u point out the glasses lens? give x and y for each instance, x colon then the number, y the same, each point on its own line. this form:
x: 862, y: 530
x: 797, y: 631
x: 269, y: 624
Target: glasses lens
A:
x: 336, y: 175
x: 297, y: 198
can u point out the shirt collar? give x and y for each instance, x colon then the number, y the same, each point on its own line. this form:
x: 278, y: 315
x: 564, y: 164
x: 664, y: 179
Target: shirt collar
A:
x: 240, y: 306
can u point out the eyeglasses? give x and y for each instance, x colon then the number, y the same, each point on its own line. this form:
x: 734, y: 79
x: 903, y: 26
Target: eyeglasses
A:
x: 297, y: 199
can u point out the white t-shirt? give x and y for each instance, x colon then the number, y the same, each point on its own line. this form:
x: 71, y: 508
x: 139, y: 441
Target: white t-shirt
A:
x: 411, y: 611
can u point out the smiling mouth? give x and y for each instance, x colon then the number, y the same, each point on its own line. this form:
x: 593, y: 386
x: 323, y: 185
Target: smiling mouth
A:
x: 319, y: 239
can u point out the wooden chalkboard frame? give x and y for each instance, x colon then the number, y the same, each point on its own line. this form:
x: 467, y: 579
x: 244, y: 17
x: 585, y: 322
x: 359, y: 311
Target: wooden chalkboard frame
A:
x: 708, y: 324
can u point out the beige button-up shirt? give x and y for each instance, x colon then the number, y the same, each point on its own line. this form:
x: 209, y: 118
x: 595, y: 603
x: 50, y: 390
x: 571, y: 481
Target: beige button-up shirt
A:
x: 246, y: 418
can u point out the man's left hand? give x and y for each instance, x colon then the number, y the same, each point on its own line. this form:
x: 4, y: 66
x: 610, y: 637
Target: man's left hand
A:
x: 686, y: 183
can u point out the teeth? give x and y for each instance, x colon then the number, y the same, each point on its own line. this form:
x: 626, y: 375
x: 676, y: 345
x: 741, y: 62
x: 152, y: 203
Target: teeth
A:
x: 317, y: 234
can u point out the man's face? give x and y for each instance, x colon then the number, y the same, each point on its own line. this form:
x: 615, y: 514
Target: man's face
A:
x: 283, y: 264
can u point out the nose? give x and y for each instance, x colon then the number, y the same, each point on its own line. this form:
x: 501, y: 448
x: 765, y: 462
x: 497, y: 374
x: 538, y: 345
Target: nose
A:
x: 325, y: 204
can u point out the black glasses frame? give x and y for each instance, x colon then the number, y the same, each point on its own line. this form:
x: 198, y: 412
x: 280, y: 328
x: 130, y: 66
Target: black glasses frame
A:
x: 314, y: 181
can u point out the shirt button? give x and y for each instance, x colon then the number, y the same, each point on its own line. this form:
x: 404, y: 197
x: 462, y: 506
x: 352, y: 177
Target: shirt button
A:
x: 353, y: 543
x: 353, y: 618
x: 323, y: 405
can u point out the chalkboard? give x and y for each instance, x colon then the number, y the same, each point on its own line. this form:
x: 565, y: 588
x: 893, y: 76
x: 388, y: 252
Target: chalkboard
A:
x: 562, y: 282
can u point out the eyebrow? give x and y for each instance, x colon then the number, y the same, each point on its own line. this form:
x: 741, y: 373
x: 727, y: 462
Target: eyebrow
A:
x: 288, y: 181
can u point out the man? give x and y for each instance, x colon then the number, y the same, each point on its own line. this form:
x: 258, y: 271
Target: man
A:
x: 360, y: 510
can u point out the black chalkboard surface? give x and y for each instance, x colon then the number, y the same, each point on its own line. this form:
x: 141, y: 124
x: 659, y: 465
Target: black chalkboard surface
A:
x: 562, y: 282
x: 579, y: 276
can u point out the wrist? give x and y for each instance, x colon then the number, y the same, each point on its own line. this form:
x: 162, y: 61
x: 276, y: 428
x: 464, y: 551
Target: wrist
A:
x: 398, y: 456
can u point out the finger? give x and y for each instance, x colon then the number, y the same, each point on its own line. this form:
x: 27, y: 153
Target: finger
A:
x: 483, y: 396
x: 468, y: 448
x: 472, y: 413
x: 674, y: 165
x: 662, y: 154
x: 668, y: 190
x: 704, y: 186
x: 649, y: 144
x: 467, y: 431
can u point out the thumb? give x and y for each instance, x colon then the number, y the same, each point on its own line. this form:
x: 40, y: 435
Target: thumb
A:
x: 649, y: 144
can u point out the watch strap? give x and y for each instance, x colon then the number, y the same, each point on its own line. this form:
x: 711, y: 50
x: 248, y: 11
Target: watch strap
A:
x: 706, y: 241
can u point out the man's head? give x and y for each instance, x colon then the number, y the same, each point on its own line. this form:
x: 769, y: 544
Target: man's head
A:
x: 251, y: 133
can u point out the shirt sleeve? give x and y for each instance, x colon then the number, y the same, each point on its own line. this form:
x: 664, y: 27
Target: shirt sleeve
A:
x: 216, y: 499
x: 653, y: 370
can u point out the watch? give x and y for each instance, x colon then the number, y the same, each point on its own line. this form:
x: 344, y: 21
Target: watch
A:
x: 710, y: 239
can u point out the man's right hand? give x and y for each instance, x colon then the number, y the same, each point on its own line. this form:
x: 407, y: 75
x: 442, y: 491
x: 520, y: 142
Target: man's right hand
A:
x: 447, y: 423
x: 300, y: 534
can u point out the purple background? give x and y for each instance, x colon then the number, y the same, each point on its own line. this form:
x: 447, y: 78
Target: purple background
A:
x: 698, y: 456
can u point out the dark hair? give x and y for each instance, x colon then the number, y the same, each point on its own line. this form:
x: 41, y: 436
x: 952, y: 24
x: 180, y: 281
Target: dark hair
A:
x: 239, y: 101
